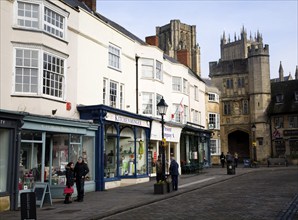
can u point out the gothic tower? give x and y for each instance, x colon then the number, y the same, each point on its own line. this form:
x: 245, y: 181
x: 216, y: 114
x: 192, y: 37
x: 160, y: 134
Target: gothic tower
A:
x: 178, y: 40
x: 243, y: 78
x: 259, y: 94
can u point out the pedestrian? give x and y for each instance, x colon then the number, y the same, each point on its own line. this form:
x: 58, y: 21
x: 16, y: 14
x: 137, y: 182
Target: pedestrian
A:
x: 236, y: 159
x: 222, y: 159
x: 174, y: 166
x: 81, y: 169
x: 158, y: 169
x: 69, y: 173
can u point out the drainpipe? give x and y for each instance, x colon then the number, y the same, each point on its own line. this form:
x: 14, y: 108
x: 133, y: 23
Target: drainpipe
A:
x: 137, y: 84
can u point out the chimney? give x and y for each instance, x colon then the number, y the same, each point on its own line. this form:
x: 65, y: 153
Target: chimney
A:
x: 183, y: 57
x: 152, y: 40
x: 90, y: 3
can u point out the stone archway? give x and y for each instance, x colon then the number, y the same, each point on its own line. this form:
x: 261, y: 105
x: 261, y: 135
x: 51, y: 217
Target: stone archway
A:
x: 238, y: 141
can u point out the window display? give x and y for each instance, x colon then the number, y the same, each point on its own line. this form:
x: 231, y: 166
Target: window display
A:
x: 30, y: 164
x: 59, y: 150
x: 141, y: 153
x: 127, y: 152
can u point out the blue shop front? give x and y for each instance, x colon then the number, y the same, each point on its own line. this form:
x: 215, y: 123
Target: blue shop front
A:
x: 121, y: 146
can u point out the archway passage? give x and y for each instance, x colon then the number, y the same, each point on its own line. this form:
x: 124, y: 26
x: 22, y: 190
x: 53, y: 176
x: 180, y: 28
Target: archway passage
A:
x: 239, y: 142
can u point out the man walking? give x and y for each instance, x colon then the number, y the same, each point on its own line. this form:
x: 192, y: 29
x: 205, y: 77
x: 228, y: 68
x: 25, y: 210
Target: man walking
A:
x: 174, y: 166
x: 81, y: 169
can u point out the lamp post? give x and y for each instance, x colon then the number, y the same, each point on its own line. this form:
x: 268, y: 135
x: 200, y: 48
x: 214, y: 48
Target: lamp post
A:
x: 253, y: 128
x: 162, y: 109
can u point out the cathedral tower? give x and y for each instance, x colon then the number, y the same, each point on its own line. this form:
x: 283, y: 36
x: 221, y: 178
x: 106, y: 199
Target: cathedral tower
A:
x: 178, y: 40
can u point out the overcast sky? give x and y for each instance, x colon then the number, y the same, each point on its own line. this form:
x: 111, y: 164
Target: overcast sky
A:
x: 275, y: 20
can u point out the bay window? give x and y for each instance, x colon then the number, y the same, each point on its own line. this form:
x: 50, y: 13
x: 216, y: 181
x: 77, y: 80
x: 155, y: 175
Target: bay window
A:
x: 38, y: 72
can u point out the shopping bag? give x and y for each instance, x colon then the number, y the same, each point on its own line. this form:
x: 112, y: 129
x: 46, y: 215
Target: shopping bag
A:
x: 68, y: 190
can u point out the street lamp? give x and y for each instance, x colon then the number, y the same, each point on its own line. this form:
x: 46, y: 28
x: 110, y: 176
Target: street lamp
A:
x: 253, y: 128
x: 162, y: 109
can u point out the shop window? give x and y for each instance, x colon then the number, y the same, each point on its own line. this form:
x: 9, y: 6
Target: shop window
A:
x: 87, y: 153
x: 59, y: 150
x: 110, y: 152
x: 60, y: 159
x: 141, y: 152
x: 30, y: 169
x: 4, y: 149
x: 127, y: 152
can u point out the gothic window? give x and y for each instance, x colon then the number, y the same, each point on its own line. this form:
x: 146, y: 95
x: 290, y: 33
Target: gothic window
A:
x: 245, y: 109
x: 227, y: 108
x: 241, y: 82
x: 293, y: 121
x: 278, y: 122
x: 229, y: 83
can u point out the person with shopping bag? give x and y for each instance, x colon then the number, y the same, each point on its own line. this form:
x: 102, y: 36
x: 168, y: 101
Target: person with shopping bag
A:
x: 70, y: 177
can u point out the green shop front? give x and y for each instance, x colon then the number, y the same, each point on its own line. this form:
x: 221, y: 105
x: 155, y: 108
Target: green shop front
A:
x: 47, y: 145
x: 194, y: 148
x: 121, y: 146
x: 10, y: 127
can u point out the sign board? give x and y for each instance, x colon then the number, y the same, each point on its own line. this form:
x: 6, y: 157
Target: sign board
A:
x: 42, y: 193
x: 28, y: 206
x: 254, y: 143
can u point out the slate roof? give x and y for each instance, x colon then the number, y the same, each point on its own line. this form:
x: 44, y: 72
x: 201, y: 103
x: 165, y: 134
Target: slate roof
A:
x: 289, y: 105
x: 76, y: 4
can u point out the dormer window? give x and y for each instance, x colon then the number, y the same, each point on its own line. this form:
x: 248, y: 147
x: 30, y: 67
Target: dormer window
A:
x: 279, y: 98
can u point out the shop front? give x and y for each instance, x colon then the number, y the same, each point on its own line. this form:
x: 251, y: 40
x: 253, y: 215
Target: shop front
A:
x: 172, y: 132
x: 121, y: 146
x: 195, y: 147
x: 10, y: 126
x: 47, y: 145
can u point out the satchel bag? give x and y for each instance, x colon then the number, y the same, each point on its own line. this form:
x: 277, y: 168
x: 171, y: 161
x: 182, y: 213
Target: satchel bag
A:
x: 68, y: 190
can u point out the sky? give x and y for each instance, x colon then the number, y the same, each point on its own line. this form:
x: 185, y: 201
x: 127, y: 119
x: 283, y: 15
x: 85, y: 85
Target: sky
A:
x: 276, y: 20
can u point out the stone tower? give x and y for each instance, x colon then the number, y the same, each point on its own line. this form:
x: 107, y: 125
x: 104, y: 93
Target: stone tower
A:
x: 243, y: 77
x: 178, y: 40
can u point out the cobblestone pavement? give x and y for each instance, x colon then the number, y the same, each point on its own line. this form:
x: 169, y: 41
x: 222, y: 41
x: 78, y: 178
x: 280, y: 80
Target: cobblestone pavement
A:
x: 253, y: 193
x: 268, y: 194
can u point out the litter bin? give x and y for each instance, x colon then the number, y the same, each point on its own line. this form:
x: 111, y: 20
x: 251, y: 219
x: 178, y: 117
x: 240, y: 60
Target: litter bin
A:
x: 231, y: 169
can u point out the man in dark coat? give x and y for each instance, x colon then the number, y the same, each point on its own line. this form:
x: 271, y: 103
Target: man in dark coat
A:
x: 174, y: 172
x: 81, y: 169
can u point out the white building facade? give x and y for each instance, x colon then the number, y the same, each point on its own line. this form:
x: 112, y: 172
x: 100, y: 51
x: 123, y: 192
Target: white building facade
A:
x: 75, y: 83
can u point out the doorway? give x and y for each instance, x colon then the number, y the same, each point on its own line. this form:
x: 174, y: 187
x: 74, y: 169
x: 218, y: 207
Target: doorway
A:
x: 238, y: 141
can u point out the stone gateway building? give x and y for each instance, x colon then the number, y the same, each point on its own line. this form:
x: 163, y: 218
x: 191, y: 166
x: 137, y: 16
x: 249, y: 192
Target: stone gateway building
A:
x: 242, y: 75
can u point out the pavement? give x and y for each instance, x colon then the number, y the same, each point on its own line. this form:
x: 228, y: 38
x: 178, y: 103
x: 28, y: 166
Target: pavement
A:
x: 98, y: 205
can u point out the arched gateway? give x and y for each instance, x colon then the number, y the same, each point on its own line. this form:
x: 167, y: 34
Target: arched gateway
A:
x: 238, y: 141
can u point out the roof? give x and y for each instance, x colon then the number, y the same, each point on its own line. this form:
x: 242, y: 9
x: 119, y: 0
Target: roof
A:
x: 76, y: 4
x: 287, y: 90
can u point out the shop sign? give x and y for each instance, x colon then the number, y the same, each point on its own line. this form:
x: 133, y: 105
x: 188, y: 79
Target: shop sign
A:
x: 290, y: 132
x: 127, y: 120
x: 172, y: 134
x: 5, y: 122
